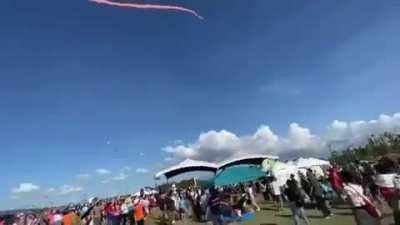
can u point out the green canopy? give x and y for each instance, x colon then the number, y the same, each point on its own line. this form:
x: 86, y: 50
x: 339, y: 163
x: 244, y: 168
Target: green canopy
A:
x: 238, y: 174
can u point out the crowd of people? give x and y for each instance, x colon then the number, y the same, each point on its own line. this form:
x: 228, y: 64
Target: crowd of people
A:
x: 365, y: 186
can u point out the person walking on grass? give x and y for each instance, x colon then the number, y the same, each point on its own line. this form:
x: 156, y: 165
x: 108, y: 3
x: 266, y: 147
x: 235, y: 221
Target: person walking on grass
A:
x: 318, y: 195
x: 276, y: 191
x: 296, y: 200
x: 354, y: 193
x: 250, y: 193
x: 139, y: 212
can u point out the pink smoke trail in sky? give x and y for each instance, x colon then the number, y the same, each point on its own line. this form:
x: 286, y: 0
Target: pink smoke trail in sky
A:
x: 148, y: 6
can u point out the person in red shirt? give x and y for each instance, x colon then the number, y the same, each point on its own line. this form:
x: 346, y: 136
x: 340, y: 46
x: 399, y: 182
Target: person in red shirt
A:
x: 335, y: 180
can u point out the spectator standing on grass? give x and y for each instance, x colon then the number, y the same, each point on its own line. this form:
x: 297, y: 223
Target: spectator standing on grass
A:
x: 318, y: 194
x: 250, y: 193
x: 354, y: 192
x: 146, y: 203
x: 369, y: 175
x: 388, y: 182
x: 68, y: 218
x: 203, y: 203
x: 139, y: 212
x: 97, y: 214
x: 170, y: 207
x: 296, y: 200
x: 126, y: 208
x: 277, y: 195
x: 213, y: 213
x: 43, y: 218
x: 263, y: 189
x: 335, y: 180
x: 162, y: 205
x: 57, y: 218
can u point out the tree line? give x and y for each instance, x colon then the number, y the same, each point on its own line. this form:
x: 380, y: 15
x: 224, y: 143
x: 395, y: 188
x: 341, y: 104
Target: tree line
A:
x: 376, y: 147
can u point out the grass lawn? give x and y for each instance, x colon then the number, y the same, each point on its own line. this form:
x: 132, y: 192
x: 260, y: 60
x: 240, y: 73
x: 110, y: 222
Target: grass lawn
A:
x: 267, y: 216
x: 270, y: 217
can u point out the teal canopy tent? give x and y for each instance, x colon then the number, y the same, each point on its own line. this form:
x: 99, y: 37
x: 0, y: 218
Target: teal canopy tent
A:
x: 238, y: 174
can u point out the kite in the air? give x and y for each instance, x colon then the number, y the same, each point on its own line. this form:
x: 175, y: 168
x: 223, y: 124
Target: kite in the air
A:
x: 148, y: 6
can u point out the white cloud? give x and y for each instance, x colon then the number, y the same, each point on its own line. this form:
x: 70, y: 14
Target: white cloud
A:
x: 141, y: 170
x: 83, y: 176
x: 121, y: 176
x: 141, y: 154
x: 127, y: 168
x: 103, y: 171
x: 25, y: 188
x: 215, y: 146
x: 14, y: 197
x: 356, y: 133
x: 51, y: 190
x: 67, y: 189
x: 105, y: 181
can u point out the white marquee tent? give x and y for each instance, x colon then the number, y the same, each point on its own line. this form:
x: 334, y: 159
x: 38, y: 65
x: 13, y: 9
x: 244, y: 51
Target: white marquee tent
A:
x: 187, y: 165
x: 308, y: 162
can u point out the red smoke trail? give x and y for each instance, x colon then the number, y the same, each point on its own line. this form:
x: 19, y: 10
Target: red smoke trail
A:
x: 148, y: 6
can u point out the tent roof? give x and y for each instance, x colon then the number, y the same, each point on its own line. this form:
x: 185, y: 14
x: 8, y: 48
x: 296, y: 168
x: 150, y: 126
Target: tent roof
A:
x: 308, y: 162
x: 250, y: 159
x: 187, y: 166
x: 238, y: 174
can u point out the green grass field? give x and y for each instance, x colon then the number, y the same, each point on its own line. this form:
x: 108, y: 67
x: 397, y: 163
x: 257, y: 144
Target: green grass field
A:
x: 268, y: 216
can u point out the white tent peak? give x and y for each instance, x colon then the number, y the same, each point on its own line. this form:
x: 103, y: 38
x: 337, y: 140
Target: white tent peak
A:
x: 246, y: 157
x: 188, y: 163
x: 308, y: 162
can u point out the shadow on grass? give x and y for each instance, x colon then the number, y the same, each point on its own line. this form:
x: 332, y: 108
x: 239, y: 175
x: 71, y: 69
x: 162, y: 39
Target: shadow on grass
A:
x: 310, y: 216
x: 344, y: 213
x: 268, y: 209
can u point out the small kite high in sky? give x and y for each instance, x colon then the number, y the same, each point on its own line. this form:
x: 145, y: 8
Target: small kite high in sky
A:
x: 148, y: 6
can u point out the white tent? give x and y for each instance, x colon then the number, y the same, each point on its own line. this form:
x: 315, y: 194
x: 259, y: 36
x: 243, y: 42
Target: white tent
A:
x: 146, y: 192
x: 308, y: 162
x: 187, y: 166
x: 280, y: 170
x: 248, y: 159
x: 314, y: 164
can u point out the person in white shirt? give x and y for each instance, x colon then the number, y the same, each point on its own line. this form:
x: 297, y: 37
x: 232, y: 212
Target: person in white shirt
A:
x: 276, y: 192
x: 125, y: 212
x: 355, y: 194
x: 250, y: 193
x: 389, y: 183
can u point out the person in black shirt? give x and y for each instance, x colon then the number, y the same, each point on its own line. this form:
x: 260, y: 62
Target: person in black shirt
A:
x: 318, y: 194
x: 214, y: 207
x: 296, y: 199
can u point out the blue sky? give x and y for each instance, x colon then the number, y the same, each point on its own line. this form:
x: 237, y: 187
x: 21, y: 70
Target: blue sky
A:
x: 86, y: 87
